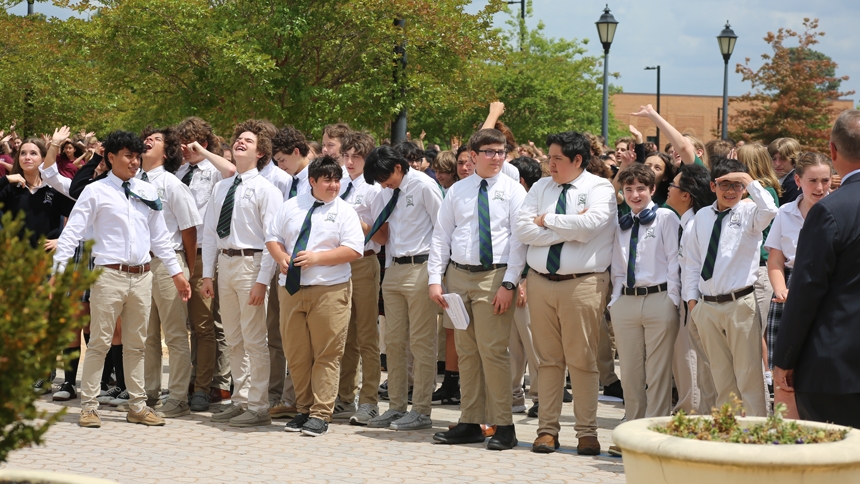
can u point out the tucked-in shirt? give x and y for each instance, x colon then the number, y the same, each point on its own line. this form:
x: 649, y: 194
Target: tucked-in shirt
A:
x: 410, y: 226
x: 785, y: 231
x: 364, y: 198
x: 333, y: 224
x: 255, y: 204
x: 202, y: 182
x: 656, y: 256
x: 124, y: 228
x: 180, y: 210
x: 587, y: 234
x: 278, y: 177
x: 737, y: 262
x: 456, y: 237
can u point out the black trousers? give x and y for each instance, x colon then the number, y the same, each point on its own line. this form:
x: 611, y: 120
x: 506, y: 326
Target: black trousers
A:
x: 840, y: 409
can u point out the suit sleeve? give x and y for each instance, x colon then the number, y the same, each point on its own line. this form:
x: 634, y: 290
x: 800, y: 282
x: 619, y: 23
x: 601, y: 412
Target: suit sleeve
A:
x: 84, y: 176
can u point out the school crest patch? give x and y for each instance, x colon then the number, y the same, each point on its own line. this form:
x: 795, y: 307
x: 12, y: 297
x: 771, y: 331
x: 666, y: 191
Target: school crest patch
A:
x: 331, y: 216
x: 650, y: 234
x: 499, y: 195
x: 409, y: 202
x: 162, y: 195
x: 249, y: 193
x: 358, y: 199
x: 735, y: 220
x: 580, y: 201
x: 49, y: 198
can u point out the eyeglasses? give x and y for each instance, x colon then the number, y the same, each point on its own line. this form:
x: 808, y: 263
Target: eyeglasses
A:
x: 672, y: 185
x: 494, y: 153
x: 726, y: 186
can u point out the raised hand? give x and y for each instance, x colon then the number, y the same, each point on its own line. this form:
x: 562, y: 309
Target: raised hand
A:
x: 497, y: 108
x: 636, y: 134
x: 644, y: 111
x: 16, y: 178
x: 60, y: 135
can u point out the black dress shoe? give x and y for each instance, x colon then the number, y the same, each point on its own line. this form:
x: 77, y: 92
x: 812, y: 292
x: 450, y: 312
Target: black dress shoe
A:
x: 504, y: 439
x: 533, y: 412
x: 462, y: 433
x: 567, y: 398
x: 614, y: 390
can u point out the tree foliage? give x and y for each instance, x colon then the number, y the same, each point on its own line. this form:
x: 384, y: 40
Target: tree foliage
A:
x: 792, y: 91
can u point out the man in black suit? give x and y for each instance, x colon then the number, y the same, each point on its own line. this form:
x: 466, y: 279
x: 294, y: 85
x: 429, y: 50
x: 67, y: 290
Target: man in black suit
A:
x: 817, y: 351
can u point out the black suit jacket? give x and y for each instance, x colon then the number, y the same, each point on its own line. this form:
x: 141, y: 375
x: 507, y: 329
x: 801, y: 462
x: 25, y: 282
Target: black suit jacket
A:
x: 789, y: 190
x: 819, y: 334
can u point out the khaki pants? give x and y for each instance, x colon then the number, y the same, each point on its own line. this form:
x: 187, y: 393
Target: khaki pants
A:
x: 314, y: 323
x: 363, y: 336
x: 167, y: 317
x: 117, y: 294
x: 704, y: 378
x: 731, y: 334
x: 645, y: 330
x: 606, y: 350
x: 245, y: 330
x: 280, y: 382
x: 482, y: 348
x: 763, y: 295
x: 201, y: 315
x: 522, y: 350
x: 685, y: 368
x: 565, y: 320
x: 410, y: 322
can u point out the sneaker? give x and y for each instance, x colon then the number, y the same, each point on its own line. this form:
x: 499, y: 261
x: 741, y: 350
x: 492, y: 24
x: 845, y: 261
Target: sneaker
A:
x: 366, y: 411
x: 343, y: 410
x: 199, y: 402
x: 67, y: 392
x: 315, y: 427
x: 518, y: 409
x: 41, y: 387
x: 90, y: 418
x: 121, y: 398
x: 147, y: 416
x: 251, y: 419
x: 228, y: 413
x: 109, y: 395
x: 279, y: 409
x: 123, y: 407
x: 412, y: 421
x: 174, y: 408
x: 104, y: 389
x: 533, y: 412
x: 446, y: 396
x: 384, y: 421
x: 383, y: 389
x: 296, y: 424
x: 614, y: 390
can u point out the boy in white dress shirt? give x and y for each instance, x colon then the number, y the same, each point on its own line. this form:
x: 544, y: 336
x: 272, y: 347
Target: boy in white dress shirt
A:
x: 234, y: 238
x: 291, y: 153
x: 474, y: 244
x: 646, y: 282
x: 721, y: 266
x: 314, y: 238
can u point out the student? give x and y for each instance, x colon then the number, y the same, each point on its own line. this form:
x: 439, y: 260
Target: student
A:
x: 127, y: 223
x: 332, y: 139
x: 291, y: 153
x: 411, y: 203
x: 646, y: 295
x: 234, y: 229
x: 474, y: 244
x: 721, y: 267
x: 362, y: 341
x: 161, y: 157
x: 314, y: 238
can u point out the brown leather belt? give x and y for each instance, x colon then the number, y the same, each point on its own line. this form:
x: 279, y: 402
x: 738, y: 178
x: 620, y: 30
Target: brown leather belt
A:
x: 469, y: 268
x: 644, y: 291
x: 243, y: 252
x: 724, y: 298
x: 561, y: 277
x: 368, y: 253
x: 127, y: 268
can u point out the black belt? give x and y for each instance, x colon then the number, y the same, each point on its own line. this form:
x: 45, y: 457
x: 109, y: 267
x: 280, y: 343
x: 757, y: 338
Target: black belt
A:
x: 235, y: 252
x: 643, y: 291
x: 468, y: 268
x: 724, y: 298
x: 561, y: 277
x: 415, y: 259
x: 368, y: 253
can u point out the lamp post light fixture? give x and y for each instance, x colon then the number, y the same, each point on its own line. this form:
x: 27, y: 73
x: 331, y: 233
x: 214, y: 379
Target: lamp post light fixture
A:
x: 727, y: 40
x: 606, y: 31
x: 657, y: 68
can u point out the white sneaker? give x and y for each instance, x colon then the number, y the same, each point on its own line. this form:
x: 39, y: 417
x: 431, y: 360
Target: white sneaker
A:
x: 518, y: 409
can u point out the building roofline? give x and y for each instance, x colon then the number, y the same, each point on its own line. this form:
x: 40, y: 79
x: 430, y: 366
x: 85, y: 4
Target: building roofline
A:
x: 692, y: 95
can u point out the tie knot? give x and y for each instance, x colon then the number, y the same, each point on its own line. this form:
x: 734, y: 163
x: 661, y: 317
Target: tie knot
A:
x: 125, y: 184
x: 565, y: 187
x: 396, y: 190
x: 484, y: 184
x: 318, y: 204
x: 237, y: 181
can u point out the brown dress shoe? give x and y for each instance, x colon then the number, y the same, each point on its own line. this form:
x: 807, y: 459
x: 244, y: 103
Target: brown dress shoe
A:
x: 488, y: 430
x: 545, y: 443
x: 216, y: 395
x: 588, y: 446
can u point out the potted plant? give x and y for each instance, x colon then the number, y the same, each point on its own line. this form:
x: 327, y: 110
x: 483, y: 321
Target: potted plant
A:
x: 723, y: 448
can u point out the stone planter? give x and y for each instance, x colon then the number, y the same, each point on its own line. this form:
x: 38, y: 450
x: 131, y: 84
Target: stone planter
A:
x: 45, y: 477
x: 654, y: 458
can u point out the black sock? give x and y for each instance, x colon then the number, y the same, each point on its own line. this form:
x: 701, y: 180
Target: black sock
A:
x: 117, y: 365
x: 87, y: 338
x: 71, y: 369
x: 107, y: 369
x: 451, y: 380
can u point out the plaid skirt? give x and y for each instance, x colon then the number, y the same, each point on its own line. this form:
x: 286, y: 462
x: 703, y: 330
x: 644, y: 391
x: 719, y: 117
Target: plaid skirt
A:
x: 77, y: 258
x: 774, y: 315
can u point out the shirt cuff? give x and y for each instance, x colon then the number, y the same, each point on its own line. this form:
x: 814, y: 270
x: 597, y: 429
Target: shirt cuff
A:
x: 435, y: 279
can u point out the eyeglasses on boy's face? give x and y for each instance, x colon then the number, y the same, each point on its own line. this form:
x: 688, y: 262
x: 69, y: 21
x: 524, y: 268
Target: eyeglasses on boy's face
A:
x: 494, y: 153
x: 726, y: 186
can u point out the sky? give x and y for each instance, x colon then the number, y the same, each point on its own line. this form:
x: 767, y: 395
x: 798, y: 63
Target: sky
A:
x: 680, y: 36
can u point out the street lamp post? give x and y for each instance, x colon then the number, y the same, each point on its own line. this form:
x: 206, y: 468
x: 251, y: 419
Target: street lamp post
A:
x: 726, y: 39
x: 658, y: 100
x: 606, y: 31
x: 30, y: 6
x: 523, y: 17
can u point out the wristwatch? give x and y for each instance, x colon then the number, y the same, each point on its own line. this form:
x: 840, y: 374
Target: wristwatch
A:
x: 509, y: 285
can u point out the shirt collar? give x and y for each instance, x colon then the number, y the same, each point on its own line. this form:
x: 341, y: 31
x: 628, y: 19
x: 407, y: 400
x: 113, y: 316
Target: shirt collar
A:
x: 303, y: 174
x: 490, y: 180
x: 573, y: 183
x: 268, y: 168
x: 201, y: 165
x: 153, y: 173
x: 690, y: 213
x: 115, y: 179
x: 846, y: 177
x: 309, y: 199
x: 357, y: 182
x: 248, y: 174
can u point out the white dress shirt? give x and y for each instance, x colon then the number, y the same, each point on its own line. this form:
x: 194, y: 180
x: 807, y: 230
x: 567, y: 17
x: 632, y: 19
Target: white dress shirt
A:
x: 255, y: 204
x: 587, y: 236
x: 334, y: 224
x: 737, y: 263
x: 278, y: 177
x: 364, y: 198
x: 52, y: 177
x: 511, y: 171
x: 304, y: 185
x: 202, y: 182
x: 410, y: 226
x: 687, y: 225
x: 180, y: 210
x: 785, y: 231
x: 456, y: 237
x: 124, y: 228
x: 656, y: 256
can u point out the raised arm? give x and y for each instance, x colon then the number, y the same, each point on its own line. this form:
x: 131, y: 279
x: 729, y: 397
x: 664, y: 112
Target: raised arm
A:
x: 681, y: 143
x: 60, y: 135
x: 226, y: 168
x: 497, y: 108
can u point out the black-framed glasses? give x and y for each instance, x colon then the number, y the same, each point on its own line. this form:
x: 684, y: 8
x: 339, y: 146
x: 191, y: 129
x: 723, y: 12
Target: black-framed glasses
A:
x: 494, y: 153
x: 672, y: 185
x: 726, y: 186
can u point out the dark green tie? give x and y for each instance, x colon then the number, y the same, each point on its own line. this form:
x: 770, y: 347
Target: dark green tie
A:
x: 189, y: 174
x: 386, y: 212
x: 153, y: 204
x: 294, y: 272
x: 631, y: 255
x: 294, y: 187
x: 226, y: 216
x: 144, y: 176
x: 346, y: 192
x: 553, y: 260
x: 713, y: 247
x: 485, y: 236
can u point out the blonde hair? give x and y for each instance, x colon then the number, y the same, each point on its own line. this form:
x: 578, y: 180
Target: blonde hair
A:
x: 759, y: 165
x: 807, y: 159
x: 788, y: 148
x: 446, y: 162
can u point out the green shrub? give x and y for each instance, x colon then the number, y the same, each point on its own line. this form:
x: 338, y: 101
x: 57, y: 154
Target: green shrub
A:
x: 37, y: 321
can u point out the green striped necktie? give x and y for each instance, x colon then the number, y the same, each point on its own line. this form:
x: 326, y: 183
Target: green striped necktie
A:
x: 226, y: 216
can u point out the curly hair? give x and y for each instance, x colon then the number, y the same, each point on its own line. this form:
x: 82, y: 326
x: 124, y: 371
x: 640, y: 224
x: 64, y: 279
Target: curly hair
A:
x: 362, y: 142
x: 117, y: 140
x: 288, y: 139
x: 264, y: 143
x: 172, y: 146
x: 196, y: 129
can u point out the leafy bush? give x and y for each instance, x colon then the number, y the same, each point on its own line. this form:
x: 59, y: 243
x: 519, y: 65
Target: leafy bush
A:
x: 723, y: 426
x: 37, y: 321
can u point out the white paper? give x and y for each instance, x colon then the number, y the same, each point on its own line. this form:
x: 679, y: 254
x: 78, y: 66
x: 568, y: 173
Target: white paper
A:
x: 457, y: 311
